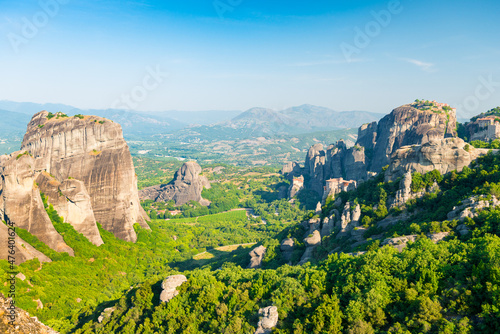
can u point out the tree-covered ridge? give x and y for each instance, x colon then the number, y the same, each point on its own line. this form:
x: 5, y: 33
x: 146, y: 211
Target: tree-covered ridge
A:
x: 448, y: 287
x: 492, y: 112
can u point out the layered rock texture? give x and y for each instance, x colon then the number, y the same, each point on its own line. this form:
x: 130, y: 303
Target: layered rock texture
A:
x: 21, y: 204
x: 83, y: 168
x: 405, y: 126
x: 90, y: 149
x: 443, y: 155
x: 186, y: 186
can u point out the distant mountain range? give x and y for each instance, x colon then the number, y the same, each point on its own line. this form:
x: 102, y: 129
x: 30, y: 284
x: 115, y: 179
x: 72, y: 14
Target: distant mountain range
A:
x: 258, y: 122
x: 198, y: 125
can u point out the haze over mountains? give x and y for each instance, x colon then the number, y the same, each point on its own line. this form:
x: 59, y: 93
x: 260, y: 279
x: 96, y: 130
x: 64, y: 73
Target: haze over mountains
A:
x: 215, y: 123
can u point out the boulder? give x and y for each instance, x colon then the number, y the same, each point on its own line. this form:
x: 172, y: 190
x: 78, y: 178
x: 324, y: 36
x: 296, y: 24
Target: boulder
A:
x: 286, y: 248
x: 105, y: 314
x: 311, y: 242
x: 268, y: 320
x: 169, y: 286
x: 256, y: 257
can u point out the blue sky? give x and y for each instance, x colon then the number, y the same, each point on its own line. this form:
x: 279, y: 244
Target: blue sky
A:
x: 238, y: 54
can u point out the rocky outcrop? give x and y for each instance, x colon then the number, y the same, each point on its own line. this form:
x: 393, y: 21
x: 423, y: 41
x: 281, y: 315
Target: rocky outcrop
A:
x: 23, y: 250
x: 106, y: 314
x: 311, y: 242
x: 471, y: 207
x: 376, y: 143
x: 256, y: 257
x: 400, y: 242
x: 405, y: 126
x: 404, y: 193
x: 90, y: 149
x: 444, y: 155
x: 23, y: 322
x: 268, y: 320
x: 186, y: 186
x: 350, y: 217
x: 72, y: 202
x: 314, y: 167
x: 170, y: 285
x: 328, y: 224
x: 21, y: 204
x: 286, y: 248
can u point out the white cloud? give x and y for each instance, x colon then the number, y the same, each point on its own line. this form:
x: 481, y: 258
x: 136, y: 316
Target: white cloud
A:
x: 424, y: 66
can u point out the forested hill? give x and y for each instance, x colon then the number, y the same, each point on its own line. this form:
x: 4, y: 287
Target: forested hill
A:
x: 450, y: 286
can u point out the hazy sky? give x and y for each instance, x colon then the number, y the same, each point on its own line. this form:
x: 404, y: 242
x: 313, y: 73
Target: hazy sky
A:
x: 237, y: 54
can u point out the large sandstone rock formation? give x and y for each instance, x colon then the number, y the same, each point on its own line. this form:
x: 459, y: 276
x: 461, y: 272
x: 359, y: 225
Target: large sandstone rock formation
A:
x: 72, y: 202
x: 90, y: 149
x: 186, y: 186
x: 21, y: 204
x: 376, y: 143
x: 443, y: 155
x: 83, y: 168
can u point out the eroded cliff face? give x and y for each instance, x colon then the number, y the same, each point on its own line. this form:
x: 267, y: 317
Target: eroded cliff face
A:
x: 407, y: 125
x: 186, y: 186
x: 376, y: 143
x: 444, y: 155
x: 90, y: 149
x: 21, y: 203
x: 72, y: 202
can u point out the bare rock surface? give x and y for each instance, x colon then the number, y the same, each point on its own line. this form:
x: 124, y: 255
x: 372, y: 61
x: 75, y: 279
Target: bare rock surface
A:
x: 256, y: 257
x: 186, y: 186
x: 90, y: 149
x: 471, y: 207
x: 105, y: 314
x: 21, y: 203
x: 169, y: 286
x: 268, y: 320
x: 24, y: 324
x: 444, y: 155
x: 400, y: 242
x: 377, y: 142
x: 24, y: 251
x: 286, y: 248
x: 72, y: 202
x: 312, y: 241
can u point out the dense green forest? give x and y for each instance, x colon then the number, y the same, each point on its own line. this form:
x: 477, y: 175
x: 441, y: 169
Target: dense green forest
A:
x: 452, y: 286
x: 448, y: 287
